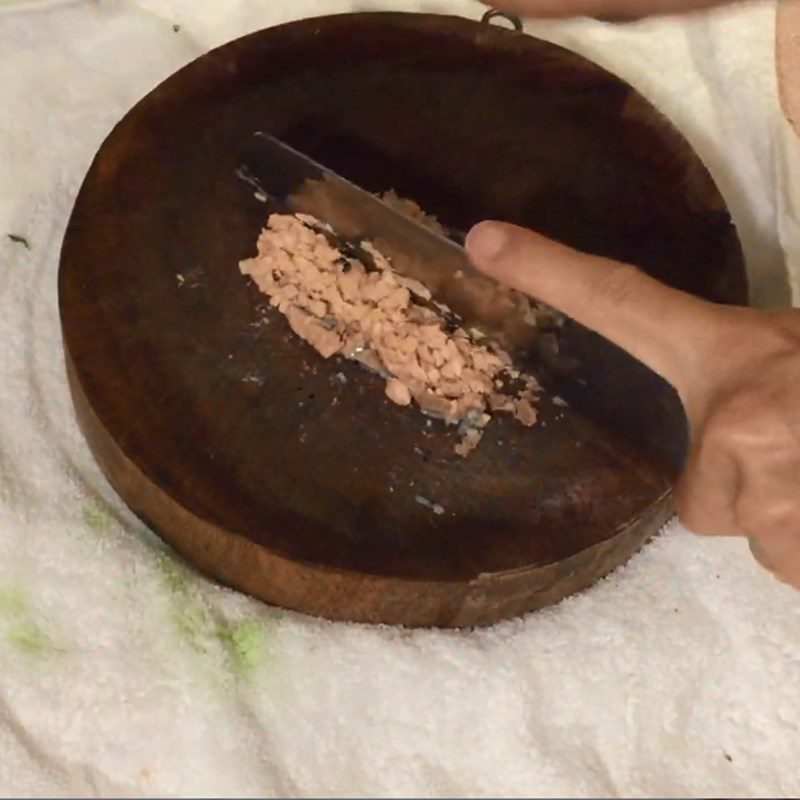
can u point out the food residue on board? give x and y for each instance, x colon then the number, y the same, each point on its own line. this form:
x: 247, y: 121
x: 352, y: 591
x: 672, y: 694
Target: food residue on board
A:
x: 435, y: 507
x: 355, y: 305
x: 411, y: 209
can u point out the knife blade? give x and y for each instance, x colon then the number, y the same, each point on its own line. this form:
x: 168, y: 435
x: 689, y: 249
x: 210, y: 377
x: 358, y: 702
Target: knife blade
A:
x: 298, y: 184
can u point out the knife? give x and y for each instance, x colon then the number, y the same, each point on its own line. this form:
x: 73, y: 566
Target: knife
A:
x: 296, y: 183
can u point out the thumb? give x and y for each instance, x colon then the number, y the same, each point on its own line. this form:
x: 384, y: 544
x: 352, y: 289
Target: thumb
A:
x: 666, y: 329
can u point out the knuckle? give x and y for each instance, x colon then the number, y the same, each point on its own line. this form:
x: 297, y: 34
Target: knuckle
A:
x: 689, y: 517
x: 717, y: 434
x: 781, y: 516
x: 766, y: 517
x: 697, y: 508
x: 742, y: 422
x: 783, y: 329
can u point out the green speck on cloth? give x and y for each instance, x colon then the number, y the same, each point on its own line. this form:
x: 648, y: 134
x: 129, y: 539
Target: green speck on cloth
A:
x: 28, y: 638
x: 244, y: 642
x: 97, y: 516
x: 191, y: 622
x: 13, y: 601
x: 188, y: 613
x: 17, y: 626
x: 175, y: 574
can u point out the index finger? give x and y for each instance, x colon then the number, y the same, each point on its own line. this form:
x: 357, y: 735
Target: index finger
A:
x: 669, y: 331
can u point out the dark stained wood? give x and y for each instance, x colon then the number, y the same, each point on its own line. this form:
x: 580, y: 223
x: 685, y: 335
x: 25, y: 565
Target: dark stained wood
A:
x: 293, y: 478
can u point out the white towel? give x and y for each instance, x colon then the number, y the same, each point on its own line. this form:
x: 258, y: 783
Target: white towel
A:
x: 122, y: 673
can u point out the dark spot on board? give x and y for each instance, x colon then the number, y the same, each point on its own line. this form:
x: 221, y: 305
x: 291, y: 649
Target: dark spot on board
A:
x: 17, y: 239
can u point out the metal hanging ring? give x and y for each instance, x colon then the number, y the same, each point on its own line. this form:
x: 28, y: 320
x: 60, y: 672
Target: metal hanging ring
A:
x: 494, y: 13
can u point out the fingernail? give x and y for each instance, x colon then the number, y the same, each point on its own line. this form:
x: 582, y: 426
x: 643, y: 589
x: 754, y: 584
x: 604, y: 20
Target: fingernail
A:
x: 486, y: 240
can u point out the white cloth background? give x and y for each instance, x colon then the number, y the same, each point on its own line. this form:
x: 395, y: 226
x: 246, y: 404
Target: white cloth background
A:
x: 122, y: 673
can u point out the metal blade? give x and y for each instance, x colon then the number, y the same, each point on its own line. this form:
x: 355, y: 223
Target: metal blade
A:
x: 297, y: 183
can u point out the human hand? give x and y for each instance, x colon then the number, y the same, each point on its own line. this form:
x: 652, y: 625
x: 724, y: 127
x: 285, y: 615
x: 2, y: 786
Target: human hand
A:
x: 602, y: 9
x: 736, y: 370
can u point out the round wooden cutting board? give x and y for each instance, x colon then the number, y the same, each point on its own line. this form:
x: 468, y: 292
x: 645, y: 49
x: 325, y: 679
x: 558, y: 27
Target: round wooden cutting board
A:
x: 293, y: 478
